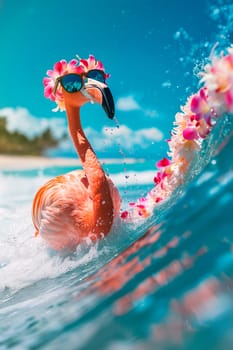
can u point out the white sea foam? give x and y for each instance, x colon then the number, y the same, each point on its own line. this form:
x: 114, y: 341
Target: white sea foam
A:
x: 25, y: 259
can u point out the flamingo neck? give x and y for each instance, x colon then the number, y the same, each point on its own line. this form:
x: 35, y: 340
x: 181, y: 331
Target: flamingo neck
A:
x: 97, y: 182
x: 86, y: 154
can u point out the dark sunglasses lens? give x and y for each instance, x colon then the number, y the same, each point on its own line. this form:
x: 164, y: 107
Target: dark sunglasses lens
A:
x: 96, y: 74
x: 71, y: 82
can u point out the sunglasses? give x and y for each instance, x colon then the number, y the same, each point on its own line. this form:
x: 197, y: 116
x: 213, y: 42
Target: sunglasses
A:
x: 74, y: 82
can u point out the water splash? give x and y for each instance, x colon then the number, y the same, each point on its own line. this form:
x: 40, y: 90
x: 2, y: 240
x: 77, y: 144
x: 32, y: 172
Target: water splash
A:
x: 116, y: 121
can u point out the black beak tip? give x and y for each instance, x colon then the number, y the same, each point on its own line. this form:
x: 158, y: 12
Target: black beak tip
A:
x: 108, y: 103
x: 110, y: 112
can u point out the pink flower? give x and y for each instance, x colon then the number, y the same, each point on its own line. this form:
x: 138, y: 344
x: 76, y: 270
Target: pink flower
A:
x: 140, y: 206
x: 63, y: 67
x: 142, y: 210
x: 48, y: 88
x: 190, y: 133
x: 92, y: 63
x: 124, y: 214
x: 218, y: 80
x: 159, y: 177
x: 163, y: 163
x: 199, y: 103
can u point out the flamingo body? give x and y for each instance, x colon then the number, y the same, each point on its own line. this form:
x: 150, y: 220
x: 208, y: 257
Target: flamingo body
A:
x: 63, y: 210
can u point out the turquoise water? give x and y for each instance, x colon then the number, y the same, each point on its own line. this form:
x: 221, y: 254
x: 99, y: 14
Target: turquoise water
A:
x: 165, y: 283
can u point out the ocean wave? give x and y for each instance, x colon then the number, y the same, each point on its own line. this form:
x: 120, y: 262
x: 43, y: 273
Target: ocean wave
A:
x: 173, y: 269
x: 25, y: 260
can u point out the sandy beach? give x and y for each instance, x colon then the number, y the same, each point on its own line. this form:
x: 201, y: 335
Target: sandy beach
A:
x: 31, y: 162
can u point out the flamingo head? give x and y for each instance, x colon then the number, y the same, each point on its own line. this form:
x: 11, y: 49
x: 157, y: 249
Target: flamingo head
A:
x: 77, y: 82
x: 93, y: 91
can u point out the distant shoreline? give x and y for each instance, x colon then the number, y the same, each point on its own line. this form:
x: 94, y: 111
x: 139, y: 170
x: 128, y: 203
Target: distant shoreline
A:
x: 12, y: 162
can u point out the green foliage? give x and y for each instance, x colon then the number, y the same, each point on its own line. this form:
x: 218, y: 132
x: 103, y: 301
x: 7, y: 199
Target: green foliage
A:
x: 19, y: 144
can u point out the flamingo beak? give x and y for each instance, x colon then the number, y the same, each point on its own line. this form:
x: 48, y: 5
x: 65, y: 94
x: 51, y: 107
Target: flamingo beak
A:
x: 99, y: 92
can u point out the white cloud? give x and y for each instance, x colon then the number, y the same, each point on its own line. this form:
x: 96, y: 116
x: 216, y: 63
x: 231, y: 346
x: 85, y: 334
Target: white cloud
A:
x: 20, y: 119
x: 123, y: 136
x: 127, y: 104
x: 150, y: 113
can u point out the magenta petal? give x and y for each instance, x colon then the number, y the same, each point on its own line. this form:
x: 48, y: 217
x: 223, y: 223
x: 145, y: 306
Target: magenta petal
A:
x: 196, y: 117
x: 140, y: 206
x: 48, y: 91
x: 92, y: 59
x: 73, y: 62
x: 195, y: 104
x: 78, y: 69
x: 84, y: 62
x: 203, y: 94
x: 50, y: 72
x: 158, y: 199
x: 47, y: 81
x: 158, y: 178
x: 100, y: 65
x: 59, y: 67
x: 190, y: 134
x: 163, y: 163
x: 124, y: 214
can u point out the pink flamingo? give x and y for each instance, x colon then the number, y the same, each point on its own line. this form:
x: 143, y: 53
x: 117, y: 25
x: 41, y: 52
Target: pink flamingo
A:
x: 80, y: 204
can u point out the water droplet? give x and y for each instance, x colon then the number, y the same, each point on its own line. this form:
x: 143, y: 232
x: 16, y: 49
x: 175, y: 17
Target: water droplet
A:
x: 116, y: 121
x: 213, y: 121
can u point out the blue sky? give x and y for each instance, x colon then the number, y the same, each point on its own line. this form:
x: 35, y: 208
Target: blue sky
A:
x: 151, y: 48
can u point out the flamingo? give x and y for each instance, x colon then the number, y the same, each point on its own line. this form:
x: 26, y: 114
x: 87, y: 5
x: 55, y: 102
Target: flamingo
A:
x: 83, y: 203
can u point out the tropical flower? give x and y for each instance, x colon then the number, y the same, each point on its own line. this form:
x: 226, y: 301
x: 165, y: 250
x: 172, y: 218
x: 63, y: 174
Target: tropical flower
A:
x: 78, y: 66
x: 163, y: 163
x: 191, y: 126
x: 218, y: 79
x: 199, y: 122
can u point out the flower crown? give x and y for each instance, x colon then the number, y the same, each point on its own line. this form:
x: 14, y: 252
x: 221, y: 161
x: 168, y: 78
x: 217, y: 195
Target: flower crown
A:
x: 63, y: 67
x: 191, y: 126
